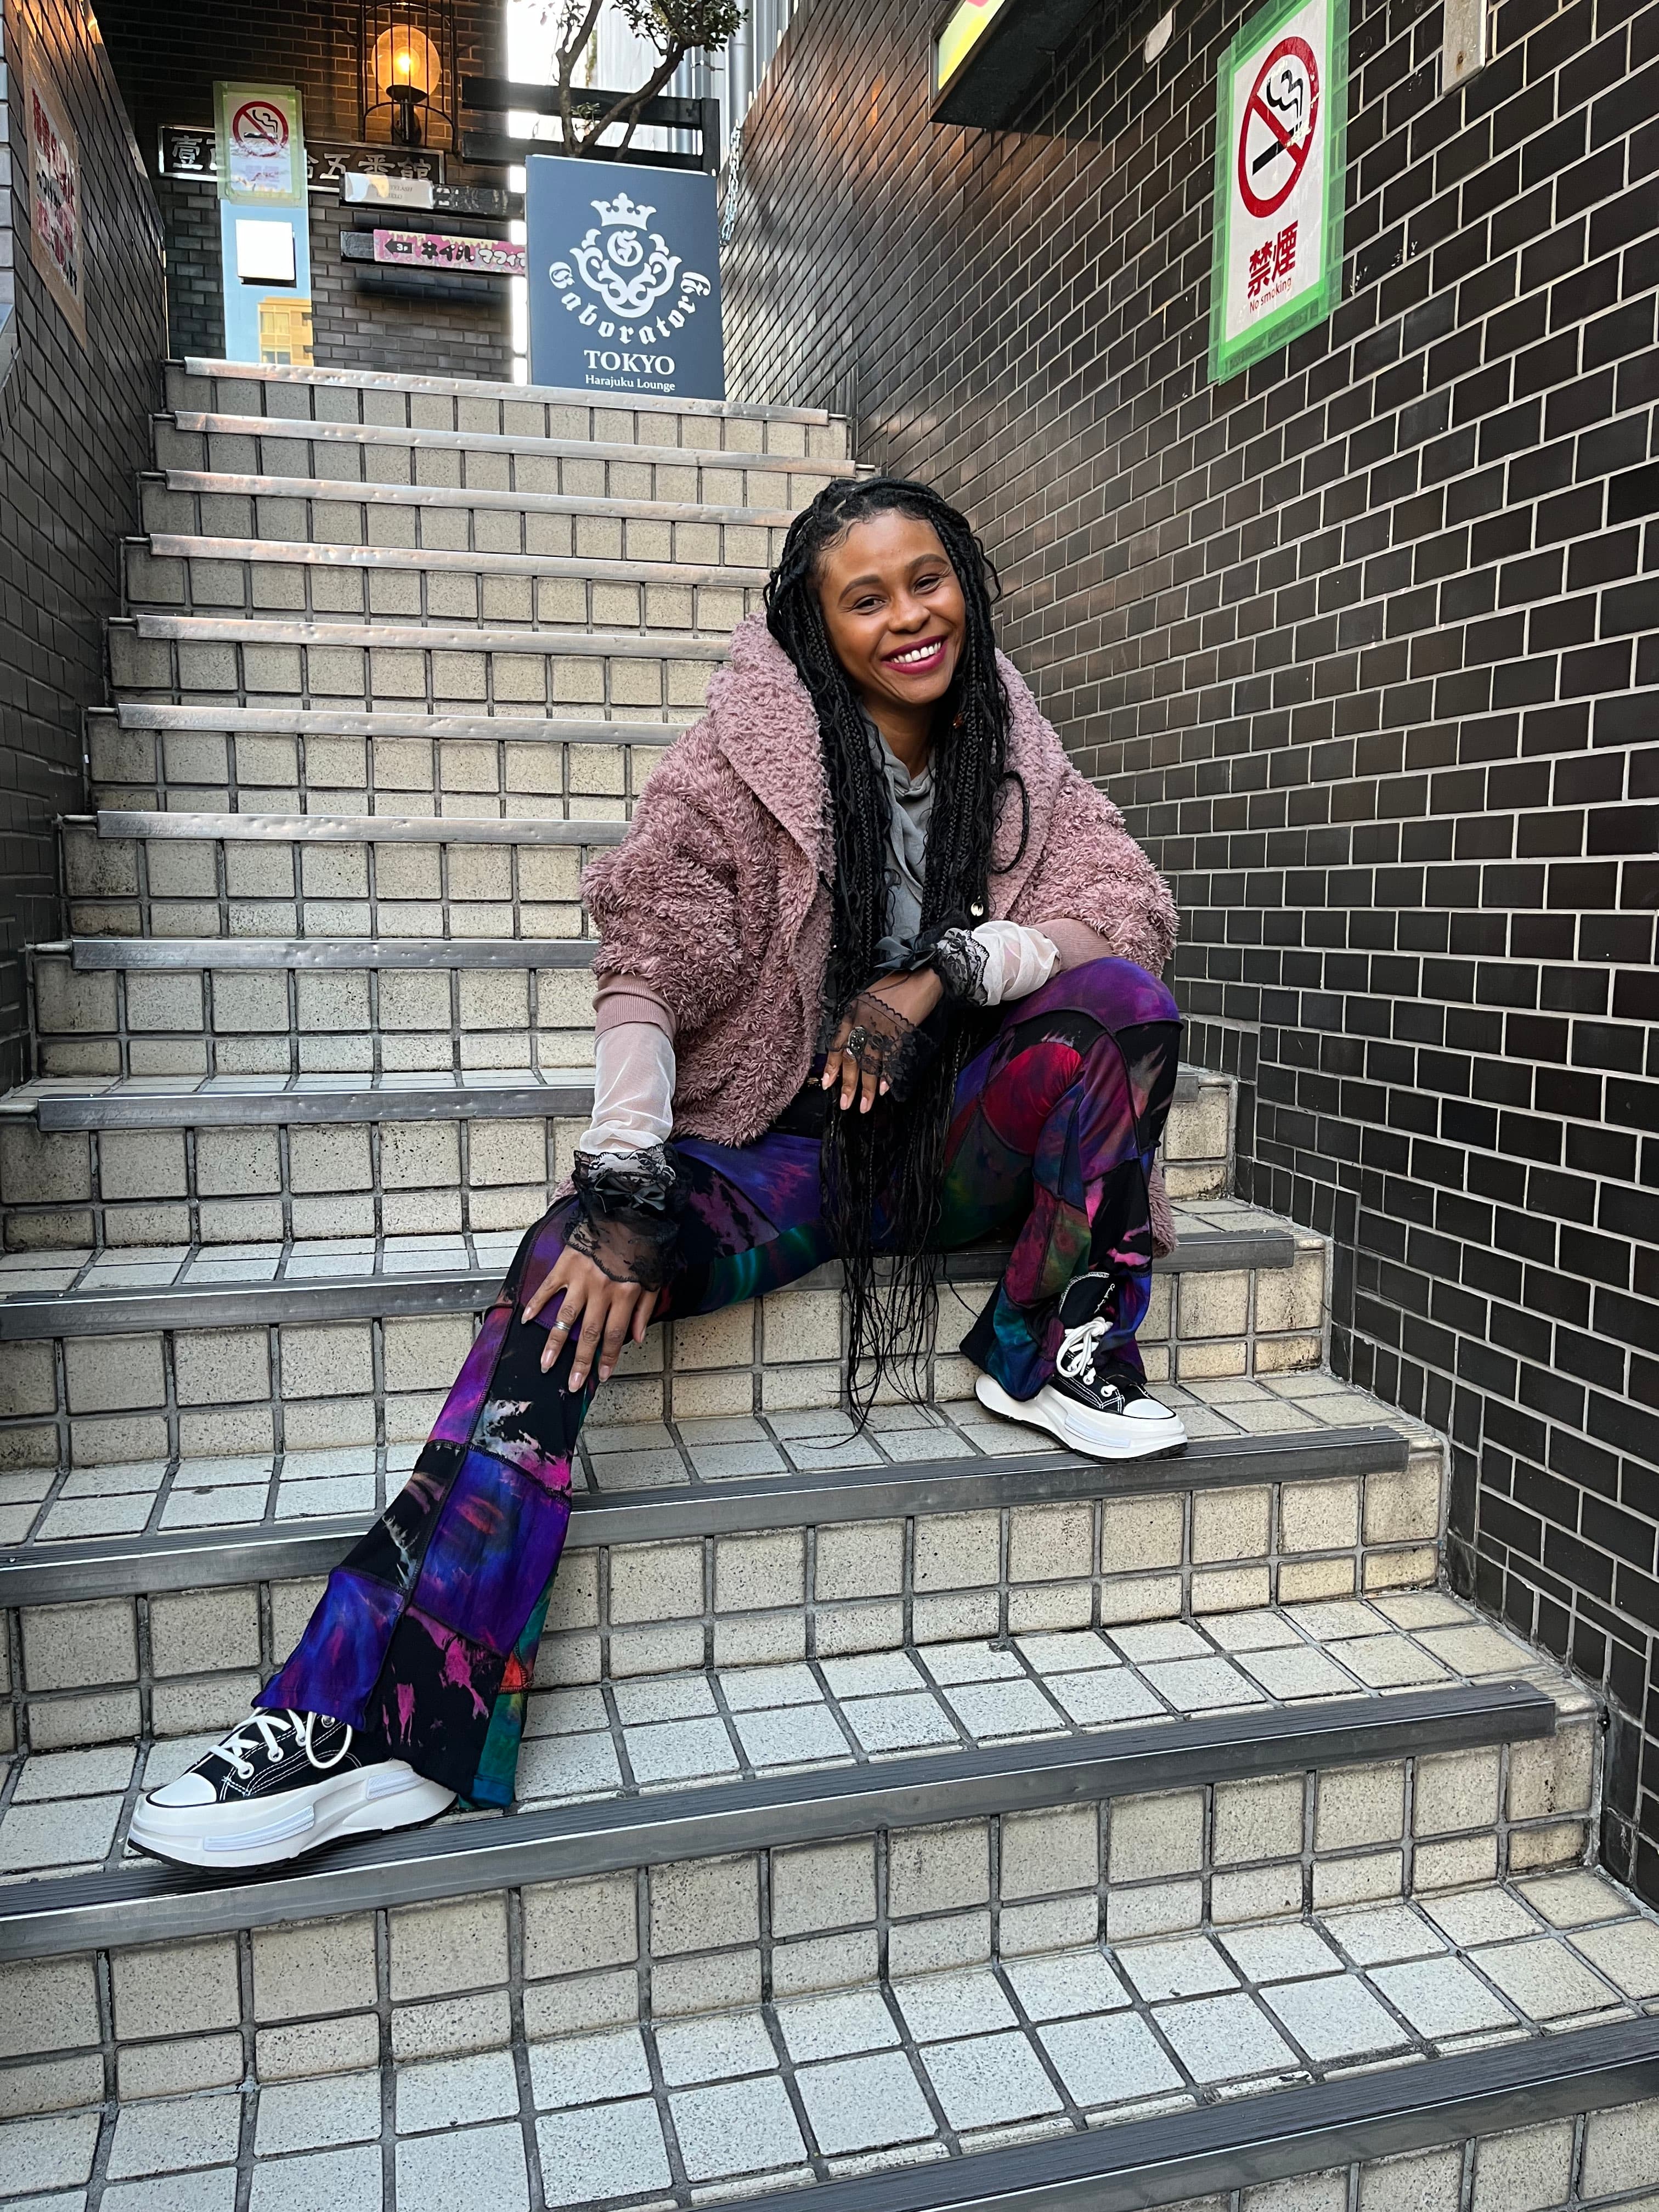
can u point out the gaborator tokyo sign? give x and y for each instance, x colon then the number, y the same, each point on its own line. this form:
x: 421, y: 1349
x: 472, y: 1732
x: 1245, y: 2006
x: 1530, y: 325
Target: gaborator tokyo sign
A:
x: 624, y: 278
x: 1281, y: 130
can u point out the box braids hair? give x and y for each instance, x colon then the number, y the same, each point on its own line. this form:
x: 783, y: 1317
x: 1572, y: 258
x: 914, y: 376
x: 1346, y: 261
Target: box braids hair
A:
x: 882, y: 1171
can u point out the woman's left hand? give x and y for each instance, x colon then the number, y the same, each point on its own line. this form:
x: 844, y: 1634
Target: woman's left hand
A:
x: 912, y: 998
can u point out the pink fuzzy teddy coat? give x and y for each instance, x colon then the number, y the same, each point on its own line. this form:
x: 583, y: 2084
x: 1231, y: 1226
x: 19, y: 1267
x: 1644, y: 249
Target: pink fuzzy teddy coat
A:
x: 719, y: 895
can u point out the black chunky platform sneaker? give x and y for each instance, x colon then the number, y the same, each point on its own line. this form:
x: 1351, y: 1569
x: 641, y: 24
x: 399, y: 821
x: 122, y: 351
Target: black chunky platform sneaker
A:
x: 281, y: 1784
x: 1096, y: 1403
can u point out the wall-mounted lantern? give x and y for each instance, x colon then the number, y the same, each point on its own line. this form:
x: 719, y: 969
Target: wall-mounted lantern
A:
x: 406, y: 68
x: 990, y: 55
x: 407, y: 72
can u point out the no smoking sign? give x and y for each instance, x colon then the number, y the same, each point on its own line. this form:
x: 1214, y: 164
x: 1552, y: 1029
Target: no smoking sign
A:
x: 1281, y: 114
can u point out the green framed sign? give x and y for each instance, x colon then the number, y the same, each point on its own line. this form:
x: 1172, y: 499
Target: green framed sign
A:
x: 1281, y: 130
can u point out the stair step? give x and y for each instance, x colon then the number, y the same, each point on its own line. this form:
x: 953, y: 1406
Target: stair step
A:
x: 138, y: 1007
x: 141, y: 1009
x: 347, y: 584
x: 183, y: 1524
x: 672, y: 1771
x: 716, y: 2111
x: 230, y: 1158
x: 370, y: 663
x: 332, y: 510
x: 355, y: 453
x: 527, y: 411
x: 138, y: 872
x: 150, y: 754
x: 158, y: 1594
x: 157, y: 1345
x: 83, y: 1293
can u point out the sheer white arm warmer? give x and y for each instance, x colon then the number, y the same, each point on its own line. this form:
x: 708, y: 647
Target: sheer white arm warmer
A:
x: 633, y: 1089
x: 1017, y: 961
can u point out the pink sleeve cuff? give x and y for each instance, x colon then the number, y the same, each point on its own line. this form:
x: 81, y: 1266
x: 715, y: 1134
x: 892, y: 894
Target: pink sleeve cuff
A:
x: 622, y: 999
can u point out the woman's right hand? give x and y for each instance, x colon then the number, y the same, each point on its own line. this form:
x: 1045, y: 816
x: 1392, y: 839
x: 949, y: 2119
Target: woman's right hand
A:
x: 602, y: 1314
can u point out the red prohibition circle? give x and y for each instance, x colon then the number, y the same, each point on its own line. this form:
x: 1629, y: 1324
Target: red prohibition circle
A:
x: 1286, y: 48
x: 259, y: 126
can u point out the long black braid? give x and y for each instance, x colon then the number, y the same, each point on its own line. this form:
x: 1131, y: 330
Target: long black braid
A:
x: 882, y: 1171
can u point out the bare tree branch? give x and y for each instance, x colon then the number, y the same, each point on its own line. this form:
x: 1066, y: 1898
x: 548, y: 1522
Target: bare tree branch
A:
x: 628, y: 108
x: 674, y: 28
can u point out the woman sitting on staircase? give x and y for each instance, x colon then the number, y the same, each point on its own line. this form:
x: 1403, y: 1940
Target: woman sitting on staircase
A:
x: 879, y: 978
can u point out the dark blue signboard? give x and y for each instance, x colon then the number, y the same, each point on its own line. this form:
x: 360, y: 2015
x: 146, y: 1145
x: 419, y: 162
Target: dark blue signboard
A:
x: 624, y: 278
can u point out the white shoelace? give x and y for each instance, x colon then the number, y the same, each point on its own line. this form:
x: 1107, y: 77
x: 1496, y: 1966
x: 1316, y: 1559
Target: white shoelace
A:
x: 1076, y: 1357
x: 235, y: 1749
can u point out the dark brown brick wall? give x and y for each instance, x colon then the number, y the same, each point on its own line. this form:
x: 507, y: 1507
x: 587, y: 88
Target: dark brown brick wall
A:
x: 1366, y: 641
x: 167, y: 59
x: 74, y: 432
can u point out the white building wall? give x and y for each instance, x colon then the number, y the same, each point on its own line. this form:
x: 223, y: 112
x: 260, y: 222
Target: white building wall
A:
x: 624, y: 60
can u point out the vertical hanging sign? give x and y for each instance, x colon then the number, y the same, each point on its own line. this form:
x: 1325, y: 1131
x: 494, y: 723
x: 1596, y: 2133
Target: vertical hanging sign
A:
x: 50, y: 162
x: 1280, y: 172
x: 264, y: 232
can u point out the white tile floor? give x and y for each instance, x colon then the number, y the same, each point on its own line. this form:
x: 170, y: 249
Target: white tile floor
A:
x: 679, y: 2111
x: 66, y: 1812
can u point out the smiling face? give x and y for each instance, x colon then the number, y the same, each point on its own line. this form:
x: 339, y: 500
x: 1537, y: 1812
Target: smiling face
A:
x: 893, y: 611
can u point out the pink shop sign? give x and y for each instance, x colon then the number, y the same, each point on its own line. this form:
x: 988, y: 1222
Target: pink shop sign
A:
x: 421, y: 249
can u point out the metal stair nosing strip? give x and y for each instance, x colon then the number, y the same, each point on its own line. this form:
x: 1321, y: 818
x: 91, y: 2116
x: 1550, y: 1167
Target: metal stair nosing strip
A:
x: 547, y: 642
x: 312, y: 553
x: 184, y: 1305
x: 1173, y: 2158
x: 436, y: 1101
x: 176, y: 825
x: 293, y: 1109
x: 193, y: 422
x: 350, y: 490
x: 331, y: 378
x: 89, y: 953
x: 199, y: 1559
x: 155, y: 1905
x: 388, y: 727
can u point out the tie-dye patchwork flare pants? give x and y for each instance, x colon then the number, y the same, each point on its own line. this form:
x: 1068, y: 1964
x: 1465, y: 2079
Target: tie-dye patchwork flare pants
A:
x: 425, y: 1638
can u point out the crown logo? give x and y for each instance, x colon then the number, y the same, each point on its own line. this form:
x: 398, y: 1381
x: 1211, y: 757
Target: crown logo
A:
x: 622, y: 211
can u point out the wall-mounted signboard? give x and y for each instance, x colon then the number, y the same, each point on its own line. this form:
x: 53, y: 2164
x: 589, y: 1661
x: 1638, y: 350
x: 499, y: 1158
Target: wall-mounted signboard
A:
x: 190, y: 152
x: 624, y: 278
x: 1280, y: 159
x: 428, y: 249
x: 51, y: 161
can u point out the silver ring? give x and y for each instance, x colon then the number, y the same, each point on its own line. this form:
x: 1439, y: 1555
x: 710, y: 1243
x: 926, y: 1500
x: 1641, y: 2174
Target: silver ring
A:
x: 563, y: 1328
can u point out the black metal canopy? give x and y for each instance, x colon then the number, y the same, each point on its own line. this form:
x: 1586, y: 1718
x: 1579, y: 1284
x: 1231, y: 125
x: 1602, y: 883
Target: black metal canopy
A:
x: 1009, y: 60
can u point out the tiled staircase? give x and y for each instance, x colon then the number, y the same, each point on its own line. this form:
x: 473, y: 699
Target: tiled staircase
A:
x: 927, y: 1815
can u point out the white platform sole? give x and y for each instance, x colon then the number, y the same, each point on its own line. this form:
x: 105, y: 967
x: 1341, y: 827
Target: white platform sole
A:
x: 1101, y: 1436
x: 368, y: 1801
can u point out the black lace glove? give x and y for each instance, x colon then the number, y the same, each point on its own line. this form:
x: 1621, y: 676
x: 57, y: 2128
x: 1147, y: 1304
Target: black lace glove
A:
x: 954, y: 954
x: 959, y: 960
x: 880, y: 1041
x: 629, y: 1224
